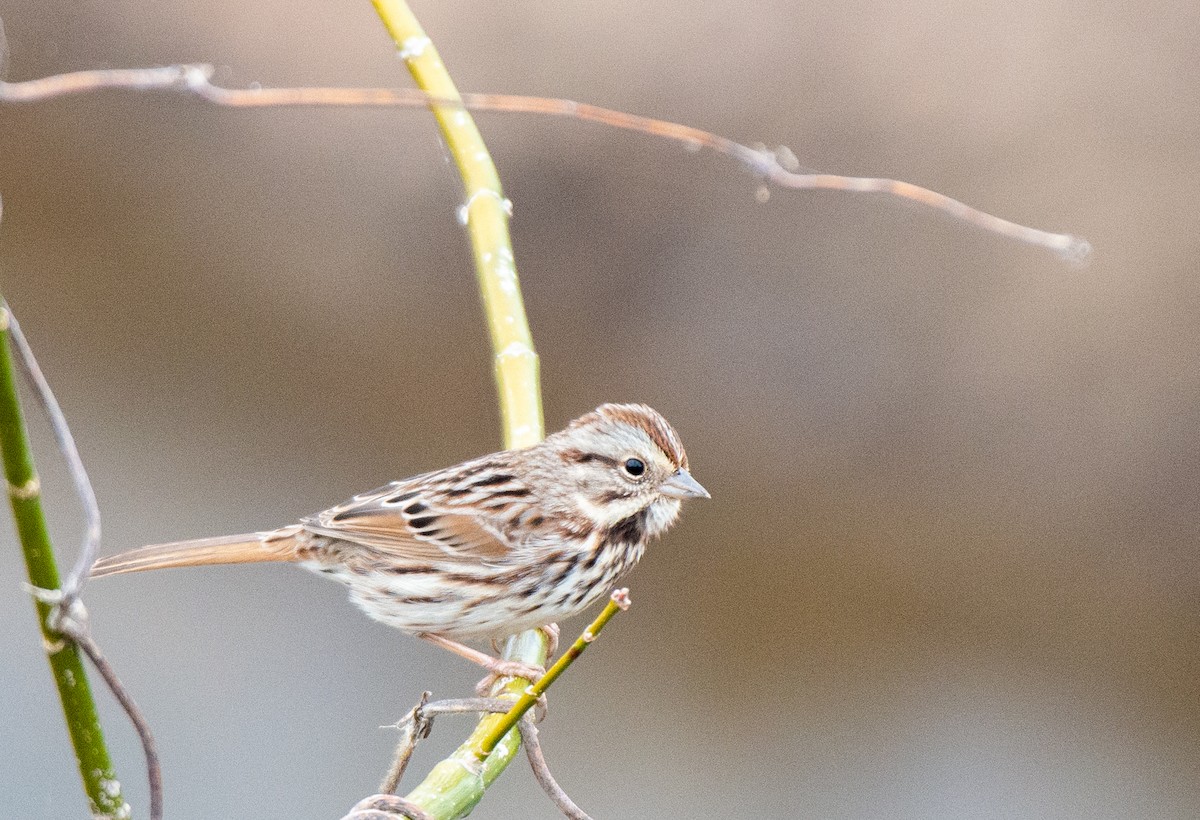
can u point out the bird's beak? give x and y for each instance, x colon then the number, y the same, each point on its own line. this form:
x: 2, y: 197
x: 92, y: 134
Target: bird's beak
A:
x: 682, y: 485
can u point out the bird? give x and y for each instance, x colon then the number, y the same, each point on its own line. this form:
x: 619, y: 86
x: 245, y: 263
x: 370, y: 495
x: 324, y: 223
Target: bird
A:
x: 487, y: 548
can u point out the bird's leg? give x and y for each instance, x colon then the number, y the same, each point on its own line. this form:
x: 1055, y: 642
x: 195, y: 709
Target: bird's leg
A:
x: 551, y: 632
x: 497, y: 666
x: 485, y: 685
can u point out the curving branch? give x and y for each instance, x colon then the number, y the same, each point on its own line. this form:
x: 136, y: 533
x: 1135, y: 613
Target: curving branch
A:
x: 774, y: 167
x: 541, y: 772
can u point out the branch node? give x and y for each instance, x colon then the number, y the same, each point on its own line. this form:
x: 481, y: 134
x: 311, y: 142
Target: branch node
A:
x: 53, y: 597
x: 1075, y: 251
x: 197, y: 77
x: 53, y: 647
x: 67, y: 616
x: 413, y: 47
x: 786, y: 159
x: 24, y: 492
x: 416, y: 725
x: 759, y: 159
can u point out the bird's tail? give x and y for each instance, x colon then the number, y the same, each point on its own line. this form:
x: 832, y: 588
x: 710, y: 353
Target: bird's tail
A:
x: 248, y: 548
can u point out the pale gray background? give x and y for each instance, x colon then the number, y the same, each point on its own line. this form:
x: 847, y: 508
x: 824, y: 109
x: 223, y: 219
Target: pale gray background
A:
x: 950, y: 568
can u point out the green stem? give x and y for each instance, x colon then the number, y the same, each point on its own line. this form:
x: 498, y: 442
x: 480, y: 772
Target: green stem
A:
x: 95, y: 767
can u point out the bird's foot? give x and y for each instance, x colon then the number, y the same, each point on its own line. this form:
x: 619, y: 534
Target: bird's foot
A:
x: 500, y: 668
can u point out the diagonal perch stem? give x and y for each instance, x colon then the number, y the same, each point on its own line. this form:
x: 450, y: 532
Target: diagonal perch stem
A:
x: 417, y: 723
x: 619, y: 602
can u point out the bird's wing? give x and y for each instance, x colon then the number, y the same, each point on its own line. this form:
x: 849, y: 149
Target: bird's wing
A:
x: 416, y: 520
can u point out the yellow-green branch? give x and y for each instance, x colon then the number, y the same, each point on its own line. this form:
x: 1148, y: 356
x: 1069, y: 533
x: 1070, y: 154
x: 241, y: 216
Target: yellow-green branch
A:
x: 457, y: 784
x: 485, y: 212
x: 619, y: 603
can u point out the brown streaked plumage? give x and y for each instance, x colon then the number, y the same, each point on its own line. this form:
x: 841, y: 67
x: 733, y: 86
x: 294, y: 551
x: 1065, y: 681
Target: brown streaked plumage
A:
x: 486, y: 548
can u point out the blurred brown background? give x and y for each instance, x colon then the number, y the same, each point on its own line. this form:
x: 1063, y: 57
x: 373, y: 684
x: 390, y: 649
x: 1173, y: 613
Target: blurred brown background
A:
x: 950, y: 568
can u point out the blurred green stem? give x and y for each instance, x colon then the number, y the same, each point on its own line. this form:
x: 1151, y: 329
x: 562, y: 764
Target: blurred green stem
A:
x: 24, y: 492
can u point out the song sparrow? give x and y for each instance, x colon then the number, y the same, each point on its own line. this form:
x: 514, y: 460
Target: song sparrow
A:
x: 487, y: 548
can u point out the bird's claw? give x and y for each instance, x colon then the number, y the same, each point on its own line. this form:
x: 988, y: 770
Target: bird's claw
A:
x: 499, y: 668
x: 551, y: 632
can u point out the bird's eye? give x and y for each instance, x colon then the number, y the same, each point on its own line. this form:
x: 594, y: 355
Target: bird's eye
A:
x: 634, y: 466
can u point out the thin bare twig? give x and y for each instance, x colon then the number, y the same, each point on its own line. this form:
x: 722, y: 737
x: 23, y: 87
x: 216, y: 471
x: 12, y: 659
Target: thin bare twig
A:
x: 773, y: 167
x: 463, y: 706
x: 74, y: 582
x: 541, y: 772
x: 416, y: 725
x: 75, y: 628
